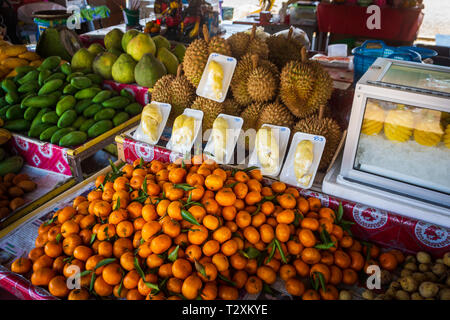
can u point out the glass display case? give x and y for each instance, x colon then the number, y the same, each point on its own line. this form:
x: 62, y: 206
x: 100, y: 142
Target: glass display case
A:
x: 398, y: 140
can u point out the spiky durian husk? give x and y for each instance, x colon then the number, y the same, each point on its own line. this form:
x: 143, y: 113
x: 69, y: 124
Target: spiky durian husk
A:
x: 183, y: 94
x: 239, y: 80
x: 219, y: 45
x: 161, y: 90
x: 262, y: 85
x: 275, y: 114
x: 211, y: 109
x: 250, y: 115
x: 232, y: 107
x: 195, y: 60
x: 323, y: 87
x: 326, y: 127
x: 259, y: 47
x: 239, y: 44
x: 270, y: 66
x: 282, y: 50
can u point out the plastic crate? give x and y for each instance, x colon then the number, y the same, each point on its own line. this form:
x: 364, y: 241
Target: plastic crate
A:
x: 365, y: 57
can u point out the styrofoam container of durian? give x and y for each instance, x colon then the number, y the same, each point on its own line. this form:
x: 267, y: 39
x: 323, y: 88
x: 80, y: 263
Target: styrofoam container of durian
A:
x: 281, y: 135
x: 164, y: 109
x: 184, y: 149
x: 233, y: 131
x: 204, y: 88
x: 288, y: 174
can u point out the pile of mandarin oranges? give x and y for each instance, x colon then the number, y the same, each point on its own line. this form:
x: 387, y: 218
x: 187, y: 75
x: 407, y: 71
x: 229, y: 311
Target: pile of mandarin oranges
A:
x: 154, y: 230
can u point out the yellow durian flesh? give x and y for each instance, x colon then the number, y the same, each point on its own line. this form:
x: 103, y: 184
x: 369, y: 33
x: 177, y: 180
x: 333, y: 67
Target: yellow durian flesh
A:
x: 303, y: 159
x: 182, y: 133
x: 150, y: 120
x: 373, y: 119
x: 267, y: 150
x: 215, y: 79
x: 219, y: 135
x: 398, y: 125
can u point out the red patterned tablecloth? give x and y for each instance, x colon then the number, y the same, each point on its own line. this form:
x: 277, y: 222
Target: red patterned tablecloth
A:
x: 140, y: 93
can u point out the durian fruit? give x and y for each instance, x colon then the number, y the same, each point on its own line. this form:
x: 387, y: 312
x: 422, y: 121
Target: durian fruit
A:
x: 197, y: 53
x: 428, y: 130
x: 283, y: 49
x: 262, y: 83
x: 182, y: 133
x: 319, y: 125
x: 305, y: 86
x: 214, y: 80
x: 257, y: 46
x: 161, y: 91
x: 239, y: 44
x: 219, y: 136
x: 447, y: 136
x: 373, y: 119
x: 250, y: 115
x: 399, y: 124
x: 267, y: 150
x: 239, y: 81
x: 177, y: 91
x: 276, y: 114
x: 150, y: 120
x: 303, y: 159
x: 211, y: 109
x: 232, y: 108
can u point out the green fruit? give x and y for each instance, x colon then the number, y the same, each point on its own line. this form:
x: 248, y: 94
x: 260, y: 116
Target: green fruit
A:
x: 133, y: 109
x: 118, y: 102
x: 96, y: 48
x: 102, y: 96
x: 3, y: 102
x: 64, y: 104
x: 82, y: 60
x: 50, y: 117
x: 38, y: 118
x: 50, y: 86
x: 141, y: 45
x: 95, y: 78
x: 169, y: 60
x: 123, y: 69
x: 66, y: 68
x: 127, y: 94
x: 54, y: 76
x: 113, y: 39
x: 99, y: 128
x: 17, y: 125
x: 78, y: 122
x: 50, y: 44
x: 43, y: 75
x: 59, y: 134
x: 41, y: 101
x: 73, y: 138
x: 87, y: 124
x: 24, y: 69
x: 36, y: 130
x: 148, y: 71
x: 81, y: 82
x: 30, y: 86
x: 69, y: 89
x: 82, y: 105
x: 50, y: 63
x: 47, y: 134
x: 87, y: 93
x: 3, y: 111
x: 103, y: 63
x: 8, y: 85
x: 120, y: 118
x: 130, y: 34
x: 73, y: 75
x: 179, y: 51
x: 30, y: 76
x: 90, y: 111
x: 30, y: 113
x: 67, y: 118
x: 105, y: 114
x: 11, y: 165
x: 12, y: 97
x: 14, y: 112
x: 161, y: 42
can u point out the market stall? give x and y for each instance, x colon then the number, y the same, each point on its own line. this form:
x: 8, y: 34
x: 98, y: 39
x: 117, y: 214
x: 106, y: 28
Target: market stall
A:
x: 247, y: 169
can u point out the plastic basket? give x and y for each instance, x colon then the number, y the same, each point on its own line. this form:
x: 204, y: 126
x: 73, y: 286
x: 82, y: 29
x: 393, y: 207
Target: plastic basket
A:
x: 424, y: 52
x: 365, y: 57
